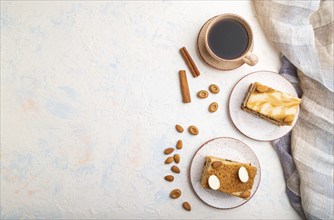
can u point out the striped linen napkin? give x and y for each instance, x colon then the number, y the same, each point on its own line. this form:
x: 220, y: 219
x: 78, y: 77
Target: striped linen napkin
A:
x: 303, y: 32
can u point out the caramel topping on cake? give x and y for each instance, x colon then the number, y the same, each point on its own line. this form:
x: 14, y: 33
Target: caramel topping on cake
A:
x: 271, y: 103
x: 262, y: 88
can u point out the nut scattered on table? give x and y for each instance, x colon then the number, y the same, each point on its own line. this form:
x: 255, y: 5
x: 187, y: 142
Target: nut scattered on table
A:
x: 179, y: 128
x: 175, y: 169
x: 213, y: 107
x: 179, y: 144
x: 193, y: 130
x: 177, y: 158
x: 176, y: 193
x: 169, y: 160
x: 202, y: 94
x: 168, y: 150
x: 186, y: 206
x: 169, y: 178
x: 214, y: 89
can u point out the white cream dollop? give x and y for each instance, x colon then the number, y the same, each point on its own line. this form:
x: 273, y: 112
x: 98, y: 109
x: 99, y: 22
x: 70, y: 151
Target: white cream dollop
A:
x: 243, y: 174
x: 214, y: 182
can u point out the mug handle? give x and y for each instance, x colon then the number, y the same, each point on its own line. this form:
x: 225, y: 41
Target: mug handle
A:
x: 250, y: 58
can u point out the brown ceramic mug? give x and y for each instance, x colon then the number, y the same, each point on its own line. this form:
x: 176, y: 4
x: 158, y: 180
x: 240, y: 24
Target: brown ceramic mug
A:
x: 229, y: 40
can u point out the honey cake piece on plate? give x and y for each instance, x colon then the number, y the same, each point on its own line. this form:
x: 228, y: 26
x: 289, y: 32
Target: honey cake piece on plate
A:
x: 228, y: 176
x: 270, y: 104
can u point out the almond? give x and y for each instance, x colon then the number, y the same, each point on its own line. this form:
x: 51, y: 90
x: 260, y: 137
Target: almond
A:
x: 289, y: 118
x: 179, y: 144
x: 245, y: 194
x: 176, y: 193
x: 214, y: 89
x: 186, y: 206
x: 177, y: 158
x: 202, y: 94
x: 168, y: 150
x: 243, y: 174
x: 179, y: 128
x: 214, y: 182
x: 193, y: 130
x: 213, y: 107
x: 261, y: 88
x: 169, y: 178
x: 175, y: 169
x: 169, y: 160
x: 216, y: 164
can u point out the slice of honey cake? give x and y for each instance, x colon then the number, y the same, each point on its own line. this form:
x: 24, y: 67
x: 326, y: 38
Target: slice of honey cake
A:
x: 270, y: 104
x: 228, y: 176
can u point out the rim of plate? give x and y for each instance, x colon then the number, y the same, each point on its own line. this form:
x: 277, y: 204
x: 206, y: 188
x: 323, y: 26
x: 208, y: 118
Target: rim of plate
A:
x: 198, y: 43
x: 192, y: 160
x: 229, y: 106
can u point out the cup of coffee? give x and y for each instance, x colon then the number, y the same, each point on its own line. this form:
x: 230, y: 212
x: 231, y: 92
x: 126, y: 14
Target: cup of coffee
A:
x: 228, y: 40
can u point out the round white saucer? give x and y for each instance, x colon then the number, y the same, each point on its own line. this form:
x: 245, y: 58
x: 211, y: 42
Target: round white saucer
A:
x: 204, y: 53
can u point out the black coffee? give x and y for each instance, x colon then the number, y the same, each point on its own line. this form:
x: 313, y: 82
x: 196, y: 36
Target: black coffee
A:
x: 228, y: 39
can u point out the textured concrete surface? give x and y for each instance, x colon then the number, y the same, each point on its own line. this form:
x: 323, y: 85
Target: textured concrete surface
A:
x: 89, y: 99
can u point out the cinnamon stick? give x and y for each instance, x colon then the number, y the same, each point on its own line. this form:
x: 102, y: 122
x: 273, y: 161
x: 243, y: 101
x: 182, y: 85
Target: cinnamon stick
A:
x: 184, y: 87
x: 189, y: 61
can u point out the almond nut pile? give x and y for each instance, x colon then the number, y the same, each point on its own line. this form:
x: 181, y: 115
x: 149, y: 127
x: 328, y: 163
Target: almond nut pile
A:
x: 176, y: 158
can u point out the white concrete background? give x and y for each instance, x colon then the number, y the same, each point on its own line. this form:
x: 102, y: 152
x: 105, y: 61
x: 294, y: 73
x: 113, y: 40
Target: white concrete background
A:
x: 89, y: 99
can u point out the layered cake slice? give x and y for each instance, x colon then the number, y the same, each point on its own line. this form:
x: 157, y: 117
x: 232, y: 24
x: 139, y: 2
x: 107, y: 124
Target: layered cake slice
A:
x: 228, y: 176
x: 270, y: 104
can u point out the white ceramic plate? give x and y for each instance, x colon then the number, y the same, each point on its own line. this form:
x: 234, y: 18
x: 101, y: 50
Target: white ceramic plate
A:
x: 227, y: 148
x: 252, y: 125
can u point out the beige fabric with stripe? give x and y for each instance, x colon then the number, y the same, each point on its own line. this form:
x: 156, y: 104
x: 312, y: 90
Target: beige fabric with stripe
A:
x: 303, y: 32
